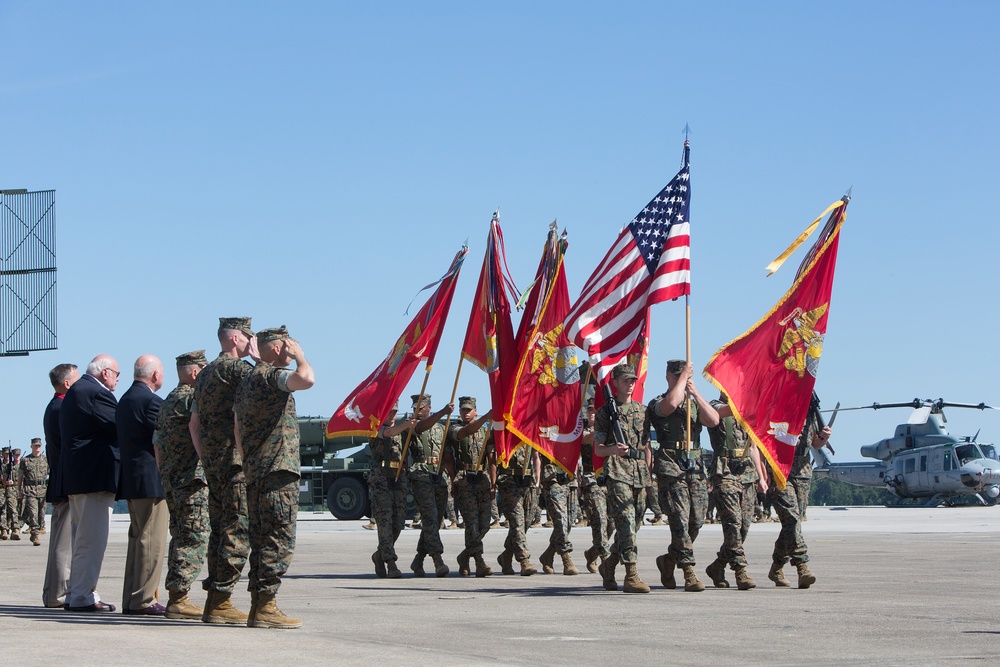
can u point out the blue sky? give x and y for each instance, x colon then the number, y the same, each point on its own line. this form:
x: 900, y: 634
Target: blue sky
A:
x: 314, y: 164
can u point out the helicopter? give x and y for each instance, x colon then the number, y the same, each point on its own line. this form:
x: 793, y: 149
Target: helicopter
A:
x: 922, y: 460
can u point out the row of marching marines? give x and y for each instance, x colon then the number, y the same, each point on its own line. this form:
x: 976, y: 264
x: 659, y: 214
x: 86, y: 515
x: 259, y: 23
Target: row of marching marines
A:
x: 613, y: 496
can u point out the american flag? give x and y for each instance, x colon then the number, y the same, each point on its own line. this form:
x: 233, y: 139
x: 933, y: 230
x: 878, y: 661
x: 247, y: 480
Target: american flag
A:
x: 649, y: 263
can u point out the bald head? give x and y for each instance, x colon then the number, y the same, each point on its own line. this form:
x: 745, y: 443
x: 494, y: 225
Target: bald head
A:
x: 149, y: 370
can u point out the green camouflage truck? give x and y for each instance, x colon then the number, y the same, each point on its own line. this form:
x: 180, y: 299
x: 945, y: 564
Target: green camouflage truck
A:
x: 328, y: 477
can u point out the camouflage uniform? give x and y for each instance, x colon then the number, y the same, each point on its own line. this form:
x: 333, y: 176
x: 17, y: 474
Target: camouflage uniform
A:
x: 34, y: 472
x: 595, y: 503
x: 513, y: 484
x: 627, y: 478
x: 269, y: 431
x: 228, y: 545
x: 430, y: 490
x: 683, y: 494
x: 556, y: 483
x: 790, y: 503
x: 734, y: 477
x: 9, y: 519
x: 388, y: 494
x: 185, y: 490
x: 473, y: 493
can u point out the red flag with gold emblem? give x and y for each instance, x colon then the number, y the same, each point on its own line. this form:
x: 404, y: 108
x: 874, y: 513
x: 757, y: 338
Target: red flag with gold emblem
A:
x: 489, y: 340
x: 545, y: 399
x: 364, y: 410
x: 769, y: 372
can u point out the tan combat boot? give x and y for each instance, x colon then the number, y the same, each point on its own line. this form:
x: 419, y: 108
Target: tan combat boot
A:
x: 633, y: 584
x: 527, y: 569
x: 219, y: 609
x: 717, y: 573
x: 269, y: 616
x: 34, y: 539
x: 392, y: 571
x: 806, y: 578
x: 179, y: 606
x: 591, y: 555
x: 665, y: 564
x: 379, y: 565
x: 506, y: 561
x: 568, y: 567
x: 463, y: 564
x: 607, y: 570
x: 777, y: 575
x: 546, y: 559
x: 743, y: 580
x: 418, y: 565
x: 440, y: 569
x: 14, y: 535
x: 692, y: 584
x: 482, y: 569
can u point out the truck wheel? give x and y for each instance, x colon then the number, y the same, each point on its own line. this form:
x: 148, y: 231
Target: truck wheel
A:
x: 347, y: 499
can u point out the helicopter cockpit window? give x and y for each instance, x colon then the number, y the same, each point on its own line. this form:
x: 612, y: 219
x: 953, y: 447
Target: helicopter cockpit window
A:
x: 947, y: 460
x: 966, y: 453
x: 989, y: 451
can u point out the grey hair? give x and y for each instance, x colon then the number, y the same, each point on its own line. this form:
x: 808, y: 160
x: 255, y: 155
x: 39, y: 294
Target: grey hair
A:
x: 99, y: 363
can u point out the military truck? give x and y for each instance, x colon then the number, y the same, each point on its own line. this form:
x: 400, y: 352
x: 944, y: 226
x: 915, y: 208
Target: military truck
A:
x: 339, y: 482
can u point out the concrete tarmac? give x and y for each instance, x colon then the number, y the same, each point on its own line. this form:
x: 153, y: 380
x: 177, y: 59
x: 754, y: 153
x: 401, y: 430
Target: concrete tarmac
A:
x: 895, y: 587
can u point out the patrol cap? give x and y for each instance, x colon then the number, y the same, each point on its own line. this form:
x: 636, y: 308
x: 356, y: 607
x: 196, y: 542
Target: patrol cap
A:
x: 466, y: 402
x: 426, y: 401
x: 589, y: 403
x: 237, y: 323
x: 196, y: 358
x: 16, y: 451
x: 36, y: 441
x: 675, y: 366
x: 269, y: 335
x: 624, y: 372
x: 395, y: 406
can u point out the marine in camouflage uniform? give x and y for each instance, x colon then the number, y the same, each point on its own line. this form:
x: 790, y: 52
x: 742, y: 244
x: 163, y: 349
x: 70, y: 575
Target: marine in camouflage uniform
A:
x: 32, y: 479
x: 212, y: 430
x: 514, y: 481
x: 471, y: 464
x: 593, y: 497
x: 184, y: 488
x: 10, y: 522
x: 388, y: 493
x: 430, y: 489
x: 735, y: 478
x: 627, y: 470
x: 680, y: 474
x: 557, y: 507
x: 790, y: 503
x: 268, y: 435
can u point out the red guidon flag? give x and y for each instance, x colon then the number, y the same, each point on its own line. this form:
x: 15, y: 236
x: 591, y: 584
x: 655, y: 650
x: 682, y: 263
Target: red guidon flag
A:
x: 369, y: 404
x: 545, y: 400
x: 769, y: 372
x: 489, y: 340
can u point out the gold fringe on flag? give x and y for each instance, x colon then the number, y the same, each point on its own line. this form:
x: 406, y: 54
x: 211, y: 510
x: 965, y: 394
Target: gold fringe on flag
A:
x: 776, y: 264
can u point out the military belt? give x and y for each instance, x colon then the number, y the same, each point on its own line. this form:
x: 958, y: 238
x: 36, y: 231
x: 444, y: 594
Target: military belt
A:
x: 737, y: 453
x: 679, y: 445
x: 471, y: 467
x: 34, y: 483
x: 390, y: 464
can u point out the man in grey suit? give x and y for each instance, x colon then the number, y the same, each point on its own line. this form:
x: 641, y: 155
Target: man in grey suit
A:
x: 90, y: 476
x: 140, y: 485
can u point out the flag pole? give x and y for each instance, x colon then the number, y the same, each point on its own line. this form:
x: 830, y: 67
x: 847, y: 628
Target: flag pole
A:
x: 410, y: 432
x: 447, y: 422
x: 687, y: 344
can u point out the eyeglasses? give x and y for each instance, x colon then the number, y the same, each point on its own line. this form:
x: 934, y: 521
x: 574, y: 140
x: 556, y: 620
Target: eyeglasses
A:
x: 111, y: 370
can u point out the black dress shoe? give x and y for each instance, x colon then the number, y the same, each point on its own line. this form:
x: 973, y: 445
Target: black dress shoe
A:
x: 155, y: 609
x: 97, y: 606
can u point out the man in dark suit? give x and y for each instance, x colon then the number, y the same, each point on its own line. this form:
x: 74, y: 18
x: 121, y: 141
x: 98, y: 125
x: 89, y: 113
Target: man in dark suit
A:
x: 140, y: 485
x: 62, y: 378
x: 90, y: 463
